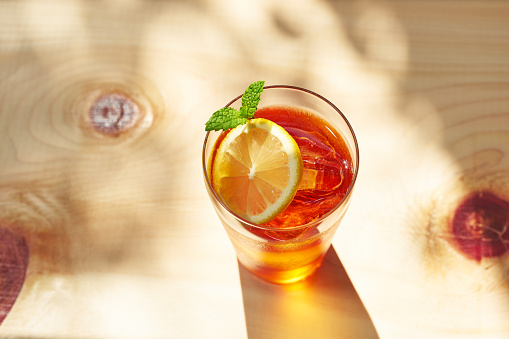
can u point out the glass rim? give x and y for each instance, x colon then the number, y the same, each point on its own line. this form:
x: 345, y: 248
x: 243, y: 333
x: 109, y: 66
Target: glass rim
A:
x: 309, y: 224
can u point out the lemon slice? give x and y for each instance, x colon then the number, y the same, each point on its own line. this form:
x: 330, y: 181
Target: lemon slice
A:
x: 257, y: 169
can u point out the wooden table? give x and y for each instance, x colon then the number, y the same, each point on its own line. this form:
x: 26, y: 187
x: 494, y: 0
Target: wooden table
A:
x: 106, y: 230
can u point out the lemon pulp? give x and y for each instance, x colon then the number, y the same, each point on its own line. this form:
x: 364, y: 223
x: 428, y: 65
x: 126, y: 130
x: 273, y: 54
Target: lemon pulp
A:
x: 257, y: 169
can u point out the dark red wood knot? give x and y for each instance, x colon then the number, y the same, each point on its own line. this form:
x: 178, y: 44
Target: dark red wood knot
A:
x: 13, y: 265
x: 481, y: 226
x: 114, y: 113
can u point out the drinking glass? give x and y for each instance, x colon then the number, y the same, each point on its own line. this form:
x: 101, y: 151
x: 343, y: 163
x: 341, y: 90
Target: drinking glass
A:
x: 285, y: 255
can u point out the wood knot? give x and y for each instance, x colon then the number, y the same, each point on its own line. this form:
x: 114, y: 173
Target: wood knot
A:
x: 480, y: 226
x: 114, y: 113
x: 13, y: 265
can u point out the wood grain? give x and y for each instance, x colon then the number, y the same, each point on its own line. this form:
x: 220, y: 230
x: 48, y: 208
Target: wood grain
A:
x: 121, y: 237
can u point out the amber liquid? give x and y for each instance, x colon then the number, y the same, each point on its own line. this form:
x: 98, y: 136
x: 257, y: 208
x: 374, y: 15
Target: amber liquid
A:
x: 328, y: 171
x: 283, y: 255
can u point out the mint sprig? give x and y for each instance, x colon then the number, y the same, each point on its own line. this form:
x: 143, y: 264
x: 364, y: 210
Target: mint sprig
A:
x: 228, y: 117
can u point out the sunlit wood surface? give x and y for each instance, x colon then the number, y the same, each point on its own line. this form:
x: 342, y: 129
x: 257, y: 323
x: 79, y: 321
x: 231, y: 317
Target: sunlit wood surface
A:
x: 113, y: 224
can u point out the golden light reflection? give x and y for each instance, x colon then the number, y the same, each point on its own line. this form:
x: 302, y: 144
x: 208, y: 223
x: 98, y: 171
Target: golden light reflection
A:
x: 324, y: 305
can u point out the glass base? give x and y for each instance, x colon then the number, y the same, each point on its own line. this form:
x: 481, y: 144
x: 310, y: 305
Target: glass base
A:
x: 276, y: 276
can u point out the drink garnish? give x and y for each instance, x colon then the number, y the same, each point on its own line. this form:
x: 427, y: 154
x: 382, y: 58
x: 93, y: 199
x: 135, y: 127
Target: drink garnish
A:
x: 257, y: 170
x: 228, y: 117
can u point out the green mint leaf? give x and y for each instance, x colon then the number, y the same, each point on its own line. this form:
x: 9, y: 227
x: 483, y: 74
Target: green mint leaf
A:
x: 224, y: 119
x: 243, y: 112
x: 228, y: 117
x: 251, y: 98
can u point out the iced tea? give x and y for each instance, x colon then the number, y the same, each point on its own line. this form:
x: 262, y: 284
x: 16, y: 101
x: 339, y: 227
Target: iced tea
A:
x: 291, y: 246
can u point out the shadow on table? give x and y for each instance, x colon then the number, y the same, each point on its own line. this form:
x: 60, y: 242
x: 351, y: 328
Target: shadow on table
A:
x: 325, y: 305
